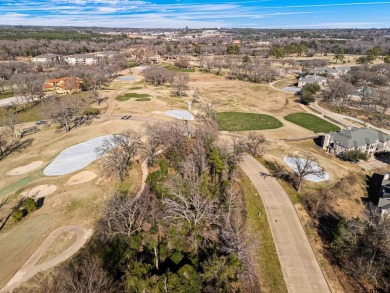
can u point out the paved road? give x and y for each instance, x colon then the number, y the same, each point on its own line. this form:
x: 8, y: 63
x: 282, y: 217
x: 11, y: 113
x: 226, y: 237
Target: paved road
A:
x: 29, y: 269
x: 301, y: 270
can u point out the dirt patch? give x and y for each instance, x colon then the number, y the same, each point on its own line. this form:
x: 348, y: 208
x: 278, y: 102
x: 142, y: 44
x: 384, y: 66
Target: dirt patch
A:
x: 82, y: 177
x: 40, y: 191
x: 25, y: 169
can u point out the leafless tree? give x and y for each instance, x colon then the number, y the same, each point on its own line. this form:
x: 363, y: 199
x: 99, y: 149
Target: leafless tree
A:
x: 10, y: 121
x: 154, y: 141
x: 180, y: 83
x: 124, y: 215
x: 303, y: 167
x: 118, y: 153
x: 183, y: 62
x: 254, y: 144
x: 62, y: 110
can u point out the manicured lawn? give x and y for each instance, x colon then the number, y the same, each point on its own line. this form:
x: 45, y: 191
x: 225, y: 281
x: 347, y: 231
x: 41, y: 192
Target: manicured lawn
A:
x: 311, y: 122
x: 129, y: 96
x: 266, y: 260
x: 177, y: 69
x: 236, y: 121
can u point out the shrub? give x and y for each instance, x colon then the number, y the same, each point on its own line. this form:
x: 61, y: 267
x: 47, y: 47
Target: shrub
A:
x: 91, y: 112
x: 354, y: 156
x: 308, y: 91
x: 30, y: 205
x: 17, y: 215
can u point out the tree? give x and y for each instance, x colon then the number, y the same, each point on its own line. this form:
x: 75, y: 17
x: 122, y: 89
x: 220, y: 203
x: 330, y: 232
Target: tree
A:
x: 254, y: 144
x: 246, y: 59
x: 17, y: 215
x: 30, y: 205
x: 277, y: 51
x: 11, y: 121
x: 339, y: 54
x: 354, y: 156
x: 233, y: 49
x: 386, y: 59
x: 180, y: 83
x: 118, y: 152
x: 183, y: 62
x: 303, y: 167
x: 63, y: 110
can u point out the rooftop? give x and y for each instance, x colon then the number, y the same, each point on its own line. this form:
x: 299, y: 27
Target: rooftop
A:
x: 358, y: 137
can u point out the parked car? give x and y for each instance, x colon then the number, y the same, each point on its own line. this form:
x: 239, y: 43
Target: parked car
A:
x: 40, y: 122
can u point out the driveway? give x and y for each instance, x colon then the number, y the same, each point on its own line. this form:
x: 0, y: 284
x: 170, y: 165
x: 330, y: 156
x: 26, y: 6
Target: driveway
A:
x: 29, y: 269
x: 300, y: 267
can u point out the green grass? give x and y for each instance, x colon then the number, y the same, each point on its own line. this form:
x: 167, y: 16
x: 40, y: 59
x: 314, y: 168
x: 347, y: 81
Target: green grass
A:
x: 142, y: 100
x: 267, y: 262
x: 236, y: 121
x: 129, y: 96
x: 311, y: 122
x: 136, y: 88
x: 4, y: 95
x: 177, y: 69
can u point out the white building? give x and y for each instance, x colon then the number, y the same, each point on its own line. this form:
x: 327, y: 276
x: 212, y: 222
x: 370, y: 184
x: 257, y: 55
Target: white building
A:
x: 82, y: 59
x: 46, y: 58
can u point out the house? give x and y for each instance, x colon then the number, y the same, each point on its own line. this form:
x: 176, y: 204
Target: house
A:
x: 63, y: 85
x: 82, y: 59
x: 363, y: 93
x: 303, y: 80
x: 106, y: 54
x: 366, y: 140
x: 46, y: 58
x: 335, y: 72
x: 142, y: 56
x: 384, y: 197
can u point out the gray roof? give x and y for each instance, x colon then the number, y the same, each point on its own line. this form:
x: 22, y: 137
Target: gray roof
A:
x: 384, y: 204
x: 312, y: 79
x: 47, y: 56
x: 358, y: 137
x: 83, y: 56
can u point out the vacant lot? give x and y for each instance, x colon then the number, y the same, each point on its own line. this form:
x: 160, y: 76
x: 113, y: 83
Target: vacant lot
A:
x: 138, y: 97
x: 311, y: 122
x: 236, y: 121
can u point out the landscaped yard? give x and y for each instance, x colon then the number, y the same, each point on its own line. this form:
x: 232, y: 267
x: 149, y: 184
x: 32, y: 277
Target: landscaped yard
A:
x: 311, y: 122
x: 177, y: 69
x: 236, y: 121
x: 138, y: 97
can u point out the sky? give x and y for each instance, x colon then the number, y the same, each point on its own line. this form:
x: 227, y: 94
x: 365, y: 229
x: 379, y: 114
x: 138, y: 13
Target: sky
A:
x: 198, y: 13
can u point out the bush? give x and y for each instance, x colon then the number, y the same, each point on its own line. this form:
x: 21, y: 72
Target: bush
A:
x: 307, y: 98
x: 91, y: 112
x: 311, y: 88
x: 17, y: 215
x: 30, y: 205
x: 354, y: 155
x: 308, y: 91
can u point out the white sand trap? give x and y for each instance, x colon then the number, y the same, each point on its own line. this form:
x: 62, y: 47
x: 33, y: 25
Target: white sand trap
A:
x: 25, y: 169
x: 40, y: 191
x: 75, y: 157
x: 180, y: 114
x: 82, y: 177
x: 314, y: 166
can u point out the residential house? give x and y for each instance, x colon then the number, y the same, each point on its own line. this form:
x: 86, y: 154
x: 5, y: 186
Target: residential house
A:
x: 335, y: 72
x: 63, y: 85
x: 384, y: 199
x: 303, y: 80
x: 142, y: 56
x: 364, y: 93
x: 106, y: 54
x: 366, y: 140
x: 46, y: 59
x: 82, y: 59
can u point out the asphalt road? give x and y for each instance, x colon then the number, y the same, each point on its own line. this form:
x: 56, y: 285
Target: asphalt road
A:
x: 300, y: 267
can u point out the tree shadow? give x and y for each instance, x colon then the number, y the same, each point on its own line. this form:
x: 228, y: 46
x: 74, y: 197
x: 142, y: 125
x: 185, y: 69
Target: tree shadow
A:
x: 374, y: 184
x: 39, y: 203
x: 17, y: 146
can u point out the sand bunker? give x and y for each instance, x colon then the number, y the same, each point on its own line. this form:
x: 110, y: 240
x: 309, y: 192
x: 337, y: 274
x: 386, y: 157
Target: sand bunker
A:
x: 127, y: 78
x: 314, y: 166
x: 25, y: 169
x: 82, y: 177
x: 75, y: 157
x: 180, y: 114
x: 40, y: 191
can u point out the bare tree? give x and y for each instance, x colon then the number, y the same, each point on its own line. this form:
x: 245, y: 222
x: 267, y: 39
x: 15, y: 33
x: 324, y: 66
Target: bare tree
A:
x: 118, y: 153
x: 180, y: 83
x: 10, y: 121
x: 303, y: 167
x: 63, y: 110
x: 123, y: 216
x: 254, y: 144
x: 153, y: 141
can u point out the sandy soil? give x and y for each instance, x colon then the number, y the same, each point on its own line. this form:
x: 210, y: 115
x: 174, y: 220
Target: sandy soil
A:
x: 25, y: 169
x: 40, y: 191
x: 82, y: 177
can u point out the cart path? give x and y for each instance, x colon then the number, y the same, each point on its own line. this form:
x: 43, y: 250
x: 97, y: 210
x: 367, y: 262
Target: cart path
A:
x: 29, y: 269
x: 300, y: 267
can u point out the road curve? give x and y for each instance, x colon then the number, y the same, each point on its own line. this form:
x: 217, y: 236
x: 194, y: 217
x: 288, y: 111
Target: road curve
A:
x: 29, y: 269
x: 300, y: 267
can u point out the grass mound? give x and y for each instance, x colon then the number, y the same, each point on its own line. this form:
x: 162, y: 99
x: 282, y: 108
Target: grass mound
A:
x: 237, y: 121
x: 142, y: 100
x: 129, y: 96
x: 311, y: 122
